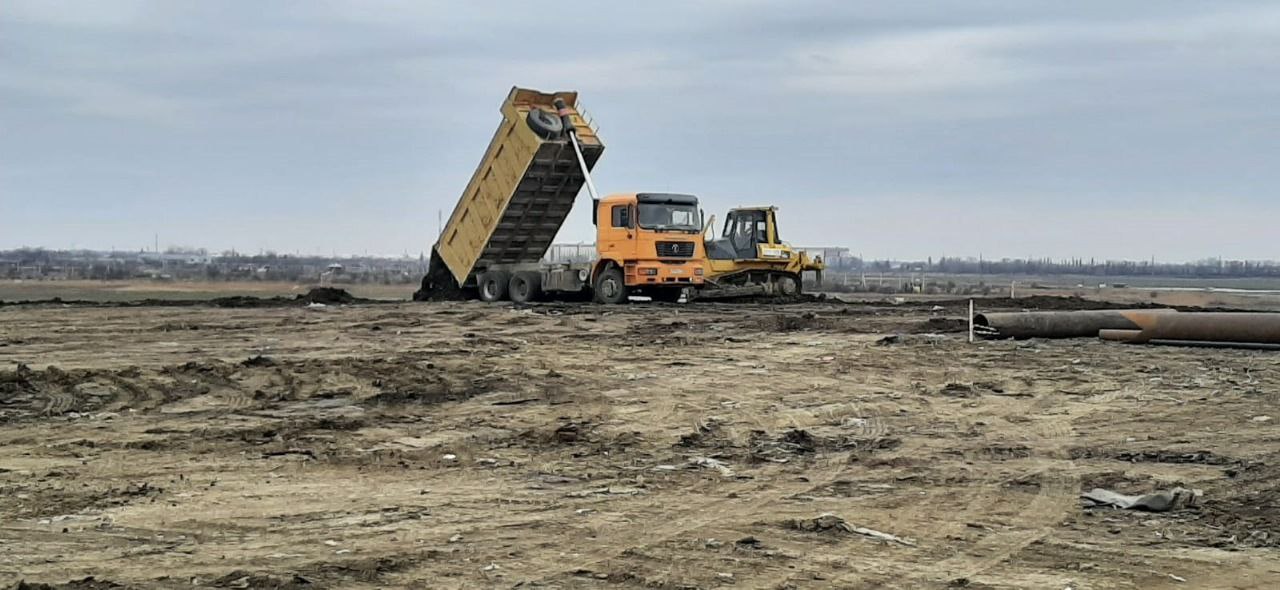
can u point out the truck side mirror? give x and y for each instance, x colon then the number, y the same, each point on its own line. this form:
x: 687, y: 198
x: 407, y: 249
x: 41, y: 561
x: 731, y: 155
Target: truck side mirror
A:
x: 595, y: 212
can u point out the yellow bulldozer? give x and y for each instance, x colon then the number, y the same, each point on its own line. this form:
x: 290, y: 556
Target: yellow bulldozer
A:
x: 749, y: 258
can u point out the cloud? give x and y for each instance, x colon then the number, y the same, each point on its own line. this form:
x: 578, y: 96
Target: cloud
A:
x: 117, y: 14
x: 381, y: 108
x: 957, y: 59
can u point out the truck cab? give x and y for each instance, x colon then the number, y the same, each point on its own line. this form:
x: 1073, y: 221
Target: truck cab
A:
x: 649, y: 244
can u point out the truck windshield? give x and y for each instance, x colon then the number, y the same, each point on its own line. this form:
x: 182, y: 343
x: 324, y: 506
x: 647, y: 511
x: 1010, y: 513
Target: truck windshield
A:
x: 669, y: 216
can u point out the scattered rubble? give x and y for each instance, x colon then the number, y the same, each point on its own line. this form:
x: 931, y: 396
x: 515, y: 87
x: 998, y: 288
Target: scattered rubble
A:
x: 1158, y: 501
x: 831, y: 523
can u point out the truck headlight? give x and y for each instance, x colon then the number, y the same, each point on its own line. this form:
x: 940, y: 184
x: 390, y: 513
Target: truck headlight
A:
x: 649, y: 272
x: 697, y: 271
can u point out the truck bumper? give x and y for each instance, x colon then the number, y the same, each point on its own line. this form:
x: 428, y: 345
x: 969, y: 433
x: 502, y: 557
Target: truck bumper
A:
x: 662, y: 274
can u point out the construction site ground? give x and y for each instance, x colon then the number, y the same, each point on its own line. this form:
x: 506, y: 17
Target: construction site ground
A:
x: 465, y: 445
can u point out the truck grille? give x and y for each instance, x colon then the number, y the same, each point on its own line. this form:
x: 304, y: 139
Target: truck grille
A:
x: 676, y: 249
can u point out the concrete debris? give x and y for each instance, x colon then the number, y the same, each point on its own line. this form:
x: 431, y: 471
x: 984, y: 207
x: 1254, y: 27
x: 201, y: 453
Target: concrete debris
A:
x: 1158, y: 501
x: 709, y: 463
x: 909, y: 339
x: 832, y: 523
x: 606, y: 491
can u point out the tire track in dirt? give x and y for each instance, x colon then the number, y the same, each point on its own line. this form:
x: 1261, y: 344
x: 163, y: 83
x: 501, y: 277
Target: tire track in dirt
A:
x: 1147, y: 568
x: 58, y: 403
x: 693, y: 516
x: 1057, y: 494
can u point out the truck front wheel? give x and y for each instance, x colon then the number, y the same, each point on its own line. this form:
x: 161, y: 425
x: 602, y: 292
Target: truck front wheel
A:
x: 610, y: 287
x: 493, y: 285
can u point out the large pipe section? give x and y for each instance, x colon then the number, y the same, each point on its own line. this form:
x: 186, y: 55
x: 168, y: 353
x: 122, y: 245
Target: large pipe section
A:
x: 1138, y: 326
x: 1056, y: 324
x: 1207, y: 327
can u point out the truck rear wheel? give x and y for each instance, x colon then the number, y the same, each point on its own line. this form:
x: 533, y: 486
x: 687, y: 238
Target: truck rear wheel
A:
x: 493, y: 285
x: 610, y: 287
x: 525, y: 286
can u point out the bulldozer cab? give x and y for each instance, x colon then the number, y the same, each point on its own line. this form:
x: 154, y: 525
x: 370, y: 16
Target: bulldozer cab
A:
x: 749, y: 234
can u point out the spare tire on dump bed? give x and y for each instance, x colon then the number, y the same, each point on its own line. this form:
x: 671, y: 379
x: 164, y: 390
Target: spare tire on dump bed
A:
x: 546, y: 124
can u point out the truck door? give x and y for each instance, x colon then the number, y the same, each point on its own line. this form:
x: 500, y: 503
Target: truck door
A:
x: 616, y: 231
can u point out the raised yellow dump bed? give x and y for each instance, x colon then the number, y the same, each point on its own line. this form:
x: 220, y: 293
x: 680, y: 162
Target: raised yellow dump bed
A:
x: 522, y: 191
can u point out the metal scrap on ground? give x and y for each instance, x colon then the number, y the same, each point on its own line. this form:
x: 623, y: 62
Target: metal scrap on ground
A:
x: 1158, y: 501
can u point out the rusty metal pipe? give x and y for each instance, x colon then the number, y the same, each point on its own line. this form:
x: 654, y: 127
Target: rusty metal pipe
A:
x: 1205, y: 344
x: 1251, y: 328
x: 1057, y: 324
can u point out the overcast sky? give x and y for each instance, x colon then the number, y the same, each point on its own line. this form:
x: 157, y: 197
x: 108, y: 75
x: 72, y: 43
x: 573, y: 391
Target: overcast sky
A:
x: 899, y: 129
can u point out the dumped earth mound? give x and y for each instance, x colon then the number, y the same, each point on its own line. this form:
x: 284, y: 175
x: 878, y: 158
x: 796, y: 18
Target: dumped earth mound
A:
x: 317, y: 295
x: 89, y: 583
x: 329, y: 296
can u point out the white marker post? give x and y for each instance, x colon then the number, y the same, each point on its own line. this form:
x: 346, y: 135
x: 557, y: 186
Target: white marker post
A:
x: 970, y: 321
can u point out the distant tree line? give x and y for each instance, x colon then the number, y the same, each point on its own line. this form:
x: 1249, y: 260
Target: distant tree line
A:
x: 197, y: 264
x: 1207, y: 268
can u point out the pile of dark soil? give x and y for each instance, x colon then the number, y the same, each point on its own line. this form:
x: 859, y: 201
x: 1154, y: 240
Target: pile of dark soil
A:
x: 88, y: 583
x: 329, y: 296
x: 324, y: 295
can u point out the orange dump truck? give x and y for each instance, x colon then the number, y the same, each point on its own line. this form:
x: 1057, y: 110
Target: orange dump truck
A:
x: 647, y: 244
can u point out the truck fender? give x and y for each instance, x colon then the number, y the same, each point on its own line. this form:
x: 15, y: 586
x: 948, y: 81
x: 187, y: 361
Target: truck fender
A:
x: 599, y: 267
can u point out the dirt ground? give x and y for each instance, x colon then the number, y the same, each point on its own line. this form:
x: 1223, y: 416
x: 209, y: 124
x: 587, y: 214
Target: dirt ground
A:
x: 463, y: 445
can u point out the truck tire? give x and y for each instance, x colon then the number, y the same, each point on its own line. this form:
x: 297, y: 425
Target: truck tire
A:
x: 546, y: 124
x: 525, y: 286
x: 493, y: 285
x: 610, y: 287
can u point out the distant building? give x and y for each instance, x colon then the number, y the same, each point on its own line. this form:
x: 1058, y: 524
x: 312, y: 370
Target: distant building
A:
x: 175, y: 259
x: 834, y: 256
